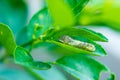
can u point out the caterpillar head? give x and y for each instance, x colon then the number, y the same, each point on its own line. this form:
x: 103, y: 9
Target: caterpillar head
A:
x: 65, y: 39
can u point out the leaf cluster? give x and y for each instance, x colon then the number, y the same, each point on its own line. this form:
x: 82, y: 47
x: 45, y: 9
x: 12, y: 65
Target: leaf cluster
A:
x: 57, y: 19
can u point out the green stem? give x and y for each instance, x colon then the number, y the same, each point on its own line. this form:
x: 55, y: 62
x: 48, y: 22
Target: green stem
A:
x: 30, y: 42
x: 37, y: 76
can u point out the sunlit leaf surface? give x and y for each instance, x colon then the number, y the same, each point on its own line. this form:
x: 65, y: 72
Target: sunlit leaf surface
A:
x: 23, y: 57
x: 7, y: 38
x: 82, y: 67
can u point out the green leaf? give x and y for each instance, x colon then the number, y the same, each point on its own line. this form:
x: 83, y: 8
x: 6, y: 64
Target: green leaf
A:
x: 39, y: 23
x: 112, y: 77
x: 62, y: 15
x: 7, y: 39
x: 77, y: 5
x: 82, y: 67
x: 23, y: 57
x: 22, y: 36
x: 79, y: 32
x: 111, y: 12
x: 51, y: 74
x: 98, y: 52
x: 101, y: 12
x: 13, y: 14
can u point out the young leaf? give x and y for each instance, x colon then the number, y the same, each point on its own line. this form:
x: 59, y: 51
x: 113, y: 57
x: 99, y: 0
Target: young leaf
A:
x: 13, y: 14
x: 77, y: 5
x: 111, y: 11
x: 23, y: 57
x: 82, y: 67
x: 75, y: 31
x: 39, y: 23
x: 7, y: 38
x: 99, y: 51
x: 101, y: 12
x: 61, y: 13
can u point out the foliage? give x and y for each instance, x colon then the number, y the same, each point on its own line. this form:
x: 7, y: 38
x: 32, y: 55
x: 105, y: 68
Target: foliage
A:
x: 13, y: 14
x: 101, y: 12
x: 48, y: 26
x: 6, y: 34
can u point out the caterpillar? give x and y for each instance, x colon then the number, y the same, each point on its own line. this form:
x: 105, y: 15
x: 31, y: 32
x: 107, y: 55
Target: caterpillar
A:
x: 76, y: 43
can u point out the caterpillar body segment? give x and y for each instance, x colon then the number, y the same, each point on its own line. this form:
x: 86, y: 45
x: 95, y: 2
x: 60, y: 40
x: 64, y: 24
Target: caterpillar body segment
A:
x: 76, y: 43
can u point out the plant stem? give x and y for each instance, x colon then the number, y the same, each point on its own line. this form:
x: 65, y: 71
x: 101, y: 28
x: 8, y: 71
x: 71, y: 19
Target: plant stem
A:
x: 37, y: 76
x: 30, y: 42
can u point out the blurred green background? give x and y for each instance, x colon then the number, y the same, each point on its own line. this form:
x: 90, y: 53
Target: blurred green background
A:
x: 99, y: 15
